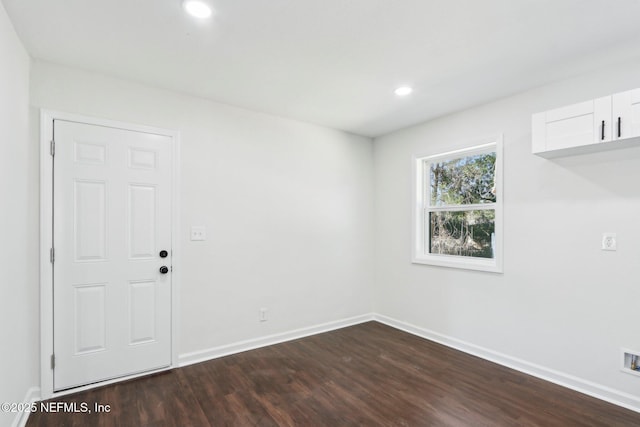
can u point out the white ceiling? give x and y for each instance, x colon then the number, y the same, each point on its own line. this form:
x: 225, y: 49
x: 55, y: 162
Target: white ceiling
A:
x: 336, y: 62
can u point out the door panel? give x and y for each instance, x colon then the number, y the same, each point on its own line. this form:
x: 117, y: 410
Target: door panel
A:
x: 89, y: 217
x: 575, y: 125
x: 142, y: 221
x: 626, y: 108
x: 570, y: 126
x: 142, y: 315
x: 570, y: 132
x: 89, y: 318
x: 112, y: 217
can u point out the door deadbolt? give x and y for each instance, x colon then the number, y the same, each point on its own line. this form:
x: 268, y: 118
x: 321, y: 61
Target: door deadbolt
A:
x: 164, y: 254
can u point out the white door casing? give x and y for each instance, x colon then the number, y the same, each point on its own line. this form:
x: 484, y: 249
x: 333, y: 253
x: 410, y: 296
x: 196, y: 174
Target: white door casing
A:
x: 113, y: 208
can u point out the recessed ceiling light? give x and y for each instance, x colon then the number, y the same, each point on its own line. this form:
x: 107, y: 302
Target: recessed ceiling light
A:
x: 403, y: 91
x: 197, y: 8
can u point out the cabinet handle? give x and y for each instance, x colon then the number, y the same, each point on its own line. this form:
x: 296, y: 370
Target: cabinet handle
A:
x: 602, y: 135
x: 619, y: 126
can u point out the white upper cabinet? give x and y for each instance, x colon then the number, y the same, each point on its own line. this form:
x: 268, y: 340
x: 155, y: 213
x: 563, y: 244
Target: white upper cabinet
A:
x: 626, y: 114
x: 600, y: 124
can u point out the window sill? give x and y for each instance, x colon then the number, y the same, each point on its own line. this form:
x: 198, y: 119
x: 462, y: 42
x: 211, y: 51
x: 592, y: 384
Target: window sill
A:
x: 478, y: 264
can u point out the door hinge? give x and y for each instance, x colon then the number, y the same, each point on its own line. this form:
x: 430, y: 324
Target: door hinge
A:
x: 52, y: 255
x: 53, y: 148
x: 53, y: 361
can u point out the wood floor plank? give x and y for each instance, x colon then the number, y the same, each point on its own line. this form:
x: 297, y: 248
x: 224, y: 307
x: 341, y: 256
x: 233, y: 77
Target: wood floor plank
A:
x: 364, y: 375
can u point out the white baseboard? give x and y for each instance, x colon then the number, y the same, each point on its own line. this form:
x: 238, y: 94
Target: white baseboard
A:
x: 33, y: 395
x: 598, y: 391
x: 225, y: 350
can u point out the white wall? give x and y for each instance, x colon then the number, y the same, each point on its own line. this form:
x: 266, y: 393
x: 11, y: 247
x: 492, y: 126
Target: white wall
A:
x: 562, y: 303
x: 19, y: 366
x: 287, y: 206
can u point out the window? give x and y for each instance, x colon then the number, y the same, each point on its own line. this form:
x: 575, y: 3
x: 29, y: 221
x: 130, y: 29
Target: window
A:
x: 458, y: 210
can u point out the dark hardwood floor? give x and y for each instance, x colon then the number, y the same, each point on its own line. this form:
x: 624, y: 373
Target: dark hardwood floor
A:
x: 368, y: 375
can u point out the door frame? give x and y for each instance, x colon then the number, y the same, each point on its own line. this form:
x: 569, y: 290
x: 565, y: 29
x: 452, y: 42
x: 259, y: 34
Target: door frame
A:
x: 46, y: 242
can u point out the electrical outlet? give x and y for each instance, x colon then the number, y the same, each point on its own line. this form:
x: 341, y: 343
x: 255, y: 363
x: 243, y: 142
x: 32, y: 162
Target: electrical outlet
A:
x: 198, y: 232
x: 263, y: 315
x: 609, y: 242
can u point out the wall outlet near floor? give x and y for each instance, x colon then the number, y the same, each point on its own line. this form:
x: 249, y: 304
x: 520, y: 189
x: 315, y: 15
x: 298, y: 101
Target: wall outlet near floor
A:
x: 262, y: 315
x: 630, y: 361
x: 609, y: 242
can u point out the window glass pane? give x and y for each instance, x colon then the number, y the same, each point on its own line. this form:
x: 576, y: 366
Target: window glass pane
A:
x: 462, y: 181
x: 465, y: 233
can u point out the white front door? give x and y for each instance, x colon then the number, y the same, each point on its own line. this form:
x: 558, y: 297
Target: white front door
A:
x: 111, y: 220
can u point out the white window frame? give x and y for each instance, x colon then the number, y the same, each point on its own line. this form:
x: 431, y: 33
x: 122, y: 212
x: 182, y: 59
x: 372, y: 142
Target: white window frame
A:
x: 422, y: 207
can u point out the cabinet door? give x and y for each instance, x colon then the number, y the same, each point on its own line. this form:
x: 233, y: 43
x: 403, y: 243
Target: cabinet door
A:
x: 626, y: 114
x: 575, y: 125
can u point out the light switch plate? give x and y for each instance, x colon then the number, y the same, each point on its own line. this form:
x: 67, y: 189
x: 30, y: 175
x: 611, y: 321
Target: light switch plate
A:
x: 198, y: 233
x: 609, y: 242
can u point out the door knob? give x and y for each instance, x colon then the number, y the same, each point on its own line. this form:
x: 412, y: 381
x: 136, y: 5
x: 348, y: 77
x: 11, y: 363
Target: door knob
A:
x: 163, y: 254
x: 164, y: 269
